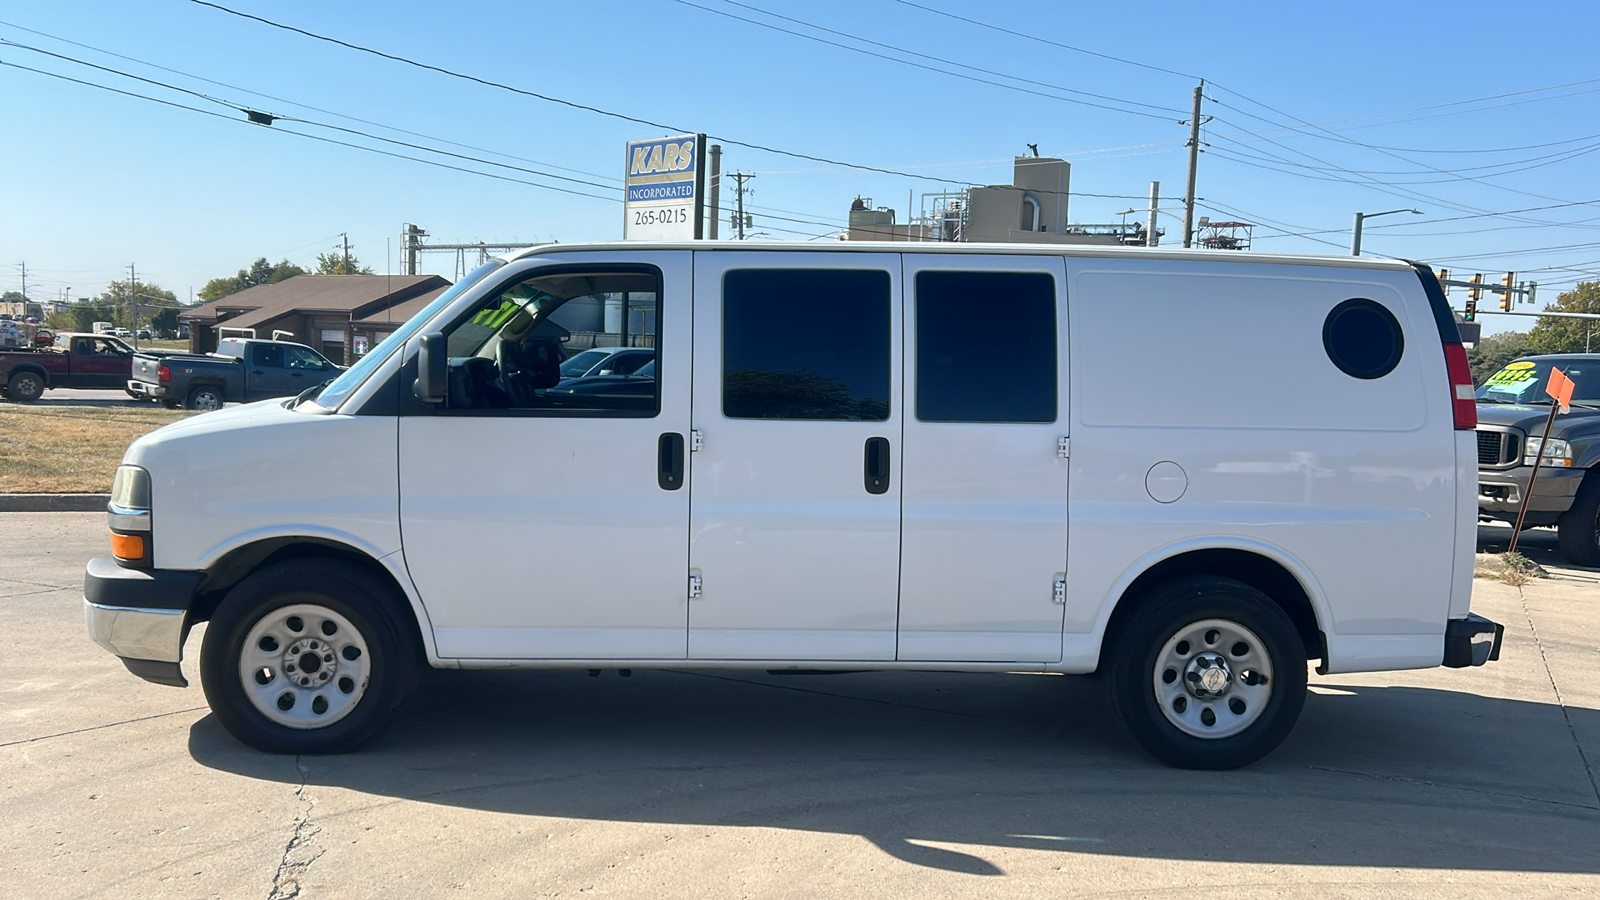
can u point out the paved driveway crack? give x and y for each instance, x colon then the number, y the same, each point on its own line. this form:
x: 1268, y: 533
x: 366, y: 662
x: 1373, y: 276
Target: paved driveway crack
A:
x: 302, y: 849
x: 1566, y: 713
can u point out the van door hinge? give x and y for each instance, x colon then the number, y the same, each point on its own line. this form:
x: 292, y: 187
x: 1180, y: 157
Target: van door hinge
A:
x: 694, y: 586
x: 1060, y: 595
x: 1063, y: 448
x: 697, y: 440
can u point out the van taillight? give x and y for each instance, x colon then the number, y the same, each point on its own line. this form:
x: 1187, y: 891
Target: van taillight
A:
x: 164, y: 374
x: 1463, y: 398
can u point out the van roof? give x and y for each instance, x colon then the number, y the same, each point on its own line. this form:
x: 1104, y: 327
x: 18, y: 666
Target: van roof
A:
x: 1089, y: 251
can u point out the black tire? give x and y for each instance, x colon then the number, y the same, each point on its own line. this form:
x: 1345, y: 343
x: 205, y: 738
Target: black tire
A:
x: 204, y: 397
x: 25, y: 387
x: 365, y: 687
x: 1249, y: 717
x: 1578, y: 529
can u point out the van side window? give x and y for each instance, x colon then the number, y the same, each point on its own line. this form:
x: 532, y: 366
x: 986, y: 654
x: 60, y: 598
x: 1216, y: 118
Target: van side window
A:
x: 806, y: 344
x: 506, y: 354
x: 958, y: 379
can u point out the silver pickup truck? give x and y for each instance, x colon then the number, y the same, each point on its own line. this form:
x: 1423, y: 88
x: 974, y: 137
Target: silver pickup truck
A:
x: 241, y: 370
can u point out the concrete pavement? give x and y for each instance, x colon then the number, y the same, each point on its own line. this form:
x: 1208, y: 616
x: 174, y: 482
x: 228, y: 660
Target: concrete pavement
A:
x: 1437, y: 783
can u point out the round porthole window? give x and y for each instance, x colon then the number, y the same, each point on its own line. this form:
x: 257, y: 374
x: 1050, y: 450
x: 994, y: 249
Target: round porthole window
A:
x: 1363, y: 338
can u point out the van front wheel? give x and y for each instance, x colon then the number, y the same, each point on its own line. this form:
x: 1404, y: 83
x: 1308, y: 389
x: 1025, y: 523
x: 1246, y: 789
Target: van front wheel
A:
x: 305, y: 657
x: 1208, y: 674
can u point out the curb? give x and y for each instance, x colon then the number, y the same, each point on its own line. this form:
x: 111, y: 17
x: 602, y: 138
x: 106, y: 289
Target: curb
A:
x: 54, y: 502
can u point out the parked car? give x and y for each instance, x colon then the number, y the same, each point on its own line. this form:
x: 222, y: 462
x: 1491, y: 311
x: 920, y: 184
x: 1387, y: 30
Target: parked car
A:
x: 121, y: 332
x: 144, y: 334
x: 241, y: 370
x: 839, y: 485
x: 75, y: 360
x: 607, y: 361
x: 606, y: 391
x: 1512, y: 411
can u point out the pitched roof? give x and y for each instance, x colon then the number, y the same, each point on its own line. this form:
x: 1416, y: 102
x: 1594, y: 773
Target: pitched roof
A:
x: 351, y: 294
x: 396, y: 315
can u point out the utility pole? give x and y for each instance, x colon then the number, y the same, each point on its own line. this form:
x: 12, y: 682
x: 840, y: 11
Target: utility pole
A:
x: 346, y: 269
x: 1194, y: 161
x: 412, y: 238
x: 715, y: 152
x: 1150, y: 239
x: 24, y: 290
x: 739, y: 191
x: 133, y: 301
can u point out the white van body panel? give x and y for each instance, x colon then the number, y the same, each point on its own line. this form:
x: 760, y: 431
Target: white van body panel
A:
x: 1355, y: 488
x: 247, y: 473
x: 797, y: 560
x: 532, y: 537
x: 1223, y: 373
x: 984, y: 505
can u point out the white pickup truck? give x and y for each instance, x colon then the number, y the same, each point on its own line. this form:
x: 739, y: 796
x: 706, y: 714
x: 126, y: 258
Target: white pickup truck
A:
x: 1198, y: 473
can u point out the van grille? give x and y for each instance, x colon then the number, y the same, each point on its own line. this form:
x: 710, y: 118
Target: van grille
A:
x: 1498, y: 448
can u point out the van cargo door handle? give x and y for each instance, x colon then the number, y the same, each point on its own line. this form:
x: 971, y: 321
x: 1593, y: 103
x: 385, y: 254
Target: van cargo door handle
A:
x: 876, y: 468
x: 669, y: 461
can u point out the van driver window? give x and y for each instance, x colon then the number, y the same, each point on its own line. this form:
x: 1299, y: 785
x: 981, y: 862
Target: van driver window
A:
x: 530, y: 347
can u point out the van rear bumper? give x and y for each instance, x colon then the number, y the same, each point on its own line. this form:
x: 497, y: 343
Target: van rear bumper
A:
x: 1472, y: 641
x: 141, y: 616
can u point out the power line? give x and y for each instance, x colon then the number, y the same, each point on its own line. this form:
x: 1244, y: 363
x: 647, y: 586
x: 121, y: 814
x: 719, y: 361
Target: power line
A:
x: 1037, y: 39
x: 568, y: 103
x: 939, y: 59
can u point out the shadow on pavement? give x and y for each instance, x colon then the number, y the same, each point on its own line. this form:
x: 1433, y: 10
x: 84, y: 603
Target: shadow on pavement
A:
x: 1393, y: 777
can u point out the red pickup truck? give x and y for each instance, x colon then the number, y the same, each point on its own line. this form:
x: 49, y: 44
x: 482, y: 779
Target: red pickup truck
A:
x: 75, y: 361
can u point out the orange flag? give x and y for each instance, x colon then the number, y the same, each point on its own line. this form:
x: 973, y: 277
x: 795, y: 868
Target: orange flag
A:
x: 1560, y: 388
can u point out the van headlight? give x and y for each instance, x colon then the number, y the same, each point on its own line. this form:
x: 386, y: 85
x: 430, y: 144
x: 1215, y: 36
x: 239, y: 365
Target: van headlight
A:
x: 1555, y: 452
x: 130, y: 489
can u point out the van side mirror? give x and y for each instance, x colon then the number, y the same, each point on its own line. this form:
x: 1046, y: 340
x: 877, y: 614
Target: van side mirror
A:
x: 432, y: 362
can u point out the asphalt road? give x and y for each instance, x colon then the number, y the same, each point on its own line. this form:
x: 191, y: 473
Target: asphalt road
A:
x: 1437, y: 783
x: 86, y: 397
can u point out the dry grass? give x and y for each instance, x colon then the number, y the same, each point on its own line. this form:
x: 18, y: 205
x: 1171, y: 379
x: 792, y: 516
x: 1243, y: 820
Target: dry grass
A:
x: 63, y: 450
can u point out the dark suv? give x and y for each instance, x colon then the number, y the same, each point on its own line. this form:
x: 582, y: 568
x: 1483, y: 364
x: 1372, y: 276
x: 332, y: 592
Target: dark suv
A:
x: 1512, y: 409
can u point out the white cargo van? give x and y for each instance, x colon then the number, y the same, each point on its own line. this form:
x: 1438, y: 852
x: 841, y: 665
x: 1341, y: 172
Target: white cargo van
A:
x: 1192, y: 471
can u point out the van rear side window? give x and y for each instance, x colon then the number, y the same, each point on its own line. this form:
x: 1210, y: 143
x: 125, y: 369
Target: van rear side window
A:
x: 1013, y: 381
x: 806, y: 344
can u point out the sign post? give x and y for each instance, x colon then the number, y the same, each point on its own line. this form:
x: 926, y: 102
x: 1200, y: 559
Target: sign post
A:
x: 665, y: 184
x: 1560, y: 391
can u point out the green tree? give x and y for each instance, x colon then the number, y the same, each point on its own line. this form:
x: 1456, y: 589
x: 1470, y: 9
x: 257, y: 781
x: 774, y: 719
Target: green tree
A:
x: 12, y: 297
x: 1494, y: 351
x: 335, y: 264
x: 260, y: 272
x: 115, y: 300
x: 1568, y: 335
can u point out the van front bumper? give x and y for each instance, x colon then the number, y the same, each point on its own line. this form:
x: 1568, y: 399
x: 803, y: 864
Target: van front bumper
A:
x: 141, y: 616
x: 1472, y: 641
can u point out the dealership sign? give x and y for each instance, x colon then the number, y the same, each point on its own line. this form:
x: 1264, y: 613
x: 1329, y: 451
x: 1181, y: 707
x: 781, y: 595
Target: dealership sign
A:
x: 664, y: 184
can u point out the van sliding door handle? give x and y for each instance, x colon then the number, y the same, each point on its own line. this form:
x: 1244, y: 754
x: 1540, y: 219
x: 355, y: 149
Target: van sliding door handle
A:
x: 876, y: 467
x: 669, y: 461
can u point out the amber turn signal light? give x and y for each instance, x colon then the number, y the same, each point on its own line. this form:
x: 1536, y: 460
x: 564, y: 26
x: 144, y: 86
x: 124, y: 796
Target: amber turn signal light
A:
x: 127, y: 546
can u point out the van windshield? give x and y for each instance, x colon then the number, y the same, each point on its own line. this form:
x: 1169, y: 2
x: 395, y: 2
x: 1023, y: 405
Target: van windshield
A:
x: 337, y: 390
x: 1524, y: 381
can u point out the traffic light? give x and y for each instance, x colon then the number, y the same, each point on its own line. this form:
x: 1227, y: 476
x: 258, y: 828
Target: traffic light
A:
x: 1476, y: 291
x: 1505, y: 298
x: 1471, y: 314
x: 1444, y: 276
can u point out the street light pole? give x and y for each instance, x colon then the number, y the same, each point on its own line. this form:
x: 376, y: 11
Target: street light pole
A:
x: 1355, y: 235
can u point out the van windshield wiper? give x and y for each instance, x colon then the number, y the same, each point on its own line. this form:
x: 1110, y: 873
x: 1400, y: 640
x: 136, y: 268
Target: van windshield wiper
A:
x: 309, y: 393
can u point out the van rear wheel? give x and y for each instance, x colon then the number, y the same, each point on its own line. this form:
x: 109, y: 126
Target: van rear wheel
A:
x: 306, y: 657
x: 1208, y: 674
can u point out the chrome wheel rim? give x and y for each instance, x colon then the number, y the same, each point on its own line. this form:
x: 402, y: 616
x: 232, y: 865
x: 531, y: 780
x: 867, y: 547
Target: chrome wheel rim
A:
x: 1213, y: 678
x: 206, y: 401
x: 304, y: 666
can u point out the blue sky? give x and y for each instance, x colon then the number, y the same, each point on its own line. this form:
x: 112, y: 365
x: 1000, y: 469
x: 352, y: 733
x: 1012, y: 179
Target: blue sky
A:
x: 1397, y: 91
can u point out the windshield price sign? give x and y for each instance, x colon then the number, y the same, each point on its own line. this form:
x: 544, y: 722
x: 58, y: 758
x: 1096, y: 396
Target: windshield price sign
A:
x: 665, y: 181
